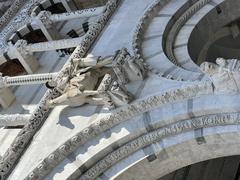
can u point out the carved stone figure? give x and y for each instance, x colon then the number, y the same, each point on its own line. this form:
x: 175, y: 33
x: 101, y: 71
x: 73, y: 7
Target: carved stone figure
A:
x: 119, y: 94
x: 81, y: 88
x: 128, y: 68
x: 80, y: 85
x: 225, y: 75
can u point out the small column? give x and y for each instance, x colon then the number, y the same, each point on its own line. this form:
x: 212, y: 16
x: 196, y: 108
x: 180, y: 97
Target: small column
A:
x: 26, y: 58
x: 46, y: 25
x: 6, y: 97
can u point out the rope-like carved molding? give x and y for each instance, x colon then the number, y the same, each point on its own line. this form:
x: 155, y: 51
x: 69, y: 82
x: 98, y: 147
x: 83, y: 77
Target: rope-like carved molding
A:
x: 14, y: 120
x: 178, y: 25
x: 144, y: 23
x: 157, y: 135
x: 116, y: 117
x: 20, y: 143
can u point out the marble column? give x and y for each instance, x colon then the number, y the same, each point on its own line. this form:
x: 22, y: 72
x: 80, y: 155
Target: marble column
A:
x: 26, y: 58
x: 46, y: 25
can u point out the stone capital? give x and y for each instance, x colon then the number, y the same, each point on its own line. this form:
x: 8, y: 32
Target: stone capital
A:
x: 45, y: 18
x: 21, y: 47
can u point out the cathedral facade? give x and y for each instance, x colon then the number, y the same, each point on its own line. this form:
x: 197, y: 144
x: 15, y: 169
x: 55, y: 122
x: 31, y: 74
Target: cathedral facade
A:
x: 119, y: 89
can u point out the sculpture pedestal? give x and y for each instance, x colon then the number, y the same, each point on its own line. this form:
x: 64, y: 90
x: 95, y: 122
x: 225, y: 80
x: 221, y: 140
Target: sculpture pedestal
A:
x: 6, y: 97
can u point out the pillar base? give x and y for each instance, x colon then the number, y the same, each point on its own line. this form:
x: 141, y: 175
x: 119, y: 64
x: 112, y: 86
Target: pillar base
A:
x: 6, y: 97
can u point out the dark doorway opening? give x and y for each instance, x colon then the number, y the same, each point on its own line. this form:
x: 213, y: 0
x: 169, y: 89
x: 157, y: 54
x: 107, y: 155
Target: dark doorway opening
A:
x: 12, y: 68
x: 57, y: 8
x: 35, y: 36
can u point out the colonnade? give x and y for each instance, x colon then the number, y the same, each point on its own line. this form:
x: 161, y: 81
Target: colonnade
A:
x: 23, y: 51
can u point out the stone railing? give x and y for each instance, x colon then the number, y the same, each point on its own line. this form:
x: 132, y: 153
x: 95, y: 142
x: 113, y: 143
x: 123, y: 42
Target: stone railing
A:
x: 23, y: 139
x: 118, y: 116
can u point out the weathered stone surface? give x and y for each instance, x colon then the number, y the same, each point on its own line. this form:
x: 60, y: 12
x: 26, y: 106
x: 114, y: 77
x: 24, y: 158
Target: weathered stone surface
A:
x: 154, y: 99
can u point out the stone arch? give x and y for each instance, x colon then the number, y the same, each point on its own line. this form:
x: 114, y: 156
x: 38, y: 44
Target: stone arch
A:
x: 222, y: 17
x: 156, y: 123
x: 177, y: 152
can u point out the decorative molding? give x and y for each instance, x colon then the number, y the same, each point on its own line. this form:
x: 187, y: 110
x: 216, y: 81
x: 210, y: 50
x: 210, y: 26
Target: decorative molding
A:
x: 20, y: 143
x: 178, y: 25
x: 157, y: 135
x: 116, y: 117
x: 146, y: 19
x: 14, y: 120
x: 11, y: 12
x: 11, y: 157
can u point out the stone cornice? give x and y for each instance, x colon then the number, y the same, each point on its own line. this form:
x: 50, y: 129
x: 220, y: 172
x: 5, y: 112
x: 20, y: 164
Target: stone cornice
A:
x: 157, y: 135
x: 116, y: 117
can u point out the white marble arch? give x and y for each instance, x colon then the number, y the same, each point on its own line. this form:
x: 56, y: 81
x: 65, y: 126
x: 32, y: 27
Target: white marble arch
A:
x: 177, y: 152
x: 135, y: 128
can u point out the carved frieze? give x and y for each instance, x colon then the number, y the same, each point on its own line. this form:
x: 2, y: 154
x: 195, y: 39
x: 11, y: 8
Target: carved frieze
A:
x: 25, y: 136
